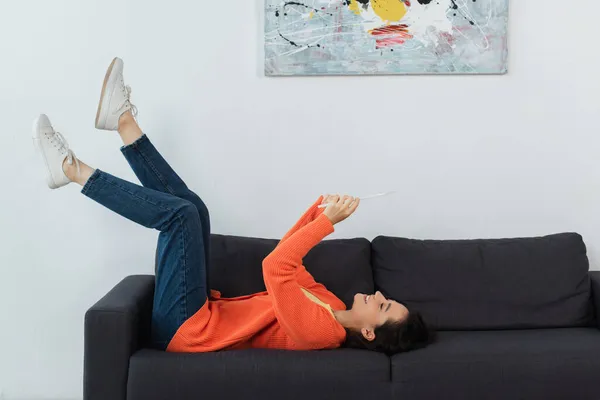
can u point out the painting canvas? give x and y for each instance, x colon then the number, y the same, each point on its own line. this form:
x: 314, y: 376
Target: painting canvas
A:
x: 353, y: 37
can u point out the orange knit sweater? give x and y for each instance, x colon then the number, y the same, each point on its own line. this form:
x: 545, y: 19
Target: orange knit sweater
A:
x: 283, y: 317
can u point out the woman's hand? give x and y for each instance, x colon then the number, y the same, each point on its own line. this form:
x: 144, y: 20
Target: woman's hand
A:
x: 340, y: 207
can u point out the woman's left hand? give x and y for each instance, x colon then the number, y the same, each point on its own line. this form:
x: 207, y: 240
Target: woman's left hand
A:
x: 340, y: 207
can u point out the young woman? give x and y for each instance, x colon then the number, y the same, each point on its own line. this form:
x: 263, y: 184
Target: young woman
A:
x: 295, y: 312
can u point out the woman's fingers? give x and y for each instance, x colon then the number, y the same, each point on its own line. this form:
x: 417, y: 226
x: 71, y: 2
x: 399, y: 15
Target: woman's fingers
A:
x: 348, y: 201
x: 344, y: 203
x: 354, y: 205
x: 331, y: 199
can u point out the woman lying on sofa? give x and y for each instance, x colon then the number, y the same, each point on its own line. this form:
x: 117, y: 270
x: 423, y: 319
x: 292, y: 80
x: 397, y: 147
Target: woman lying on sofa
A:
x: 295, y: 313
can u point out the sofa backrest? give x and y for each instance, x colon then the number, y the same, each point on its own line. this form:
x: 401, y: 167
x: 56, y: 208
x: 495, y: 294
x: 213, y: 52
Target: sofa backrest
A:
x: 488, y: 284
x: 343, y: 266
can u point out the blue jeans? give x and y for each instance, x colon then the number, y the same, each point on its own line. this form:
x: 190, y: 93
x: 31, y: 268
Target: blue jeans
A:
x: 164, y: 203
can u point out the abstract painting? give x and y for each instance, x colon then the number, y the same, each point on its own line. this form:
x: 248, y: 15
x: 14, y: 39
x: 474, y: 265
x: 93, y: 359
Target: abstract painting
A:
x: 356, y: 37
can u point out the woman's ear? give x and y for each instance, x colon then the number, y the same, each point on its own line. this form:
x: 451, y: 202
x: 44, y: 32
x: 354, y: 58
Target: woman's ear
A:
x: 368, y: 334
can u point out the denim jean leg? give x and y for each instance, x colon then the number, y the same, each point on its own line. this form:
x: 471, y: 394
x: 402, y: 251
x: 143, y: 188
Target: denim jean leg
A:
x: 181, y: 276
x: 154, y: 172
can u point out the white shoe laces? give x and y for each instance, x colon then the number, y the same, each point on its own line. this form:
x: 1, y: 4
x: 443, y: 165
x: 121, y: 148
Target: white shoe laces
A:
x: 127, y: 94
x: 61, y: 144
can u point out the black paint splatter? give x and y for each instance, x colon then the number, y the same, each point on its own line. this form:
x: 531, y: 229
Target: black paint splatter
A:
x: 295, y: 3
x: 454, y: 6
x: 289, y: 41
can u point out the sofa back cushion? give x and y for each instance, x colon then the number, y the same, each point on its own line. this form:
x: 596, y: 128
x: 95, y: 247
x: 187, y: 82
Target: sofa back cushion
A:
x: 488, y: 284
x: 343, y: 266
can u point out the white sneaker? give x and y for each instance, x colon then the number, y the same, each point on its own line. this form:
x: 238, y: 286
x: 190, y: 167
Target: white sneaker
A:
x: 54, y: 149
x: 114, y: 99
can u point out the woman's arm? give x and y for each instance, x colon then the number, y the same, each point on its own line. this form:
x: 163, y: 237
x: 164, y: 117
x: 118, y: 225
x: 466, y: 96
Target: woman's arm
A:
x: 302, y: 275
x: 307, y: 323
x: 310, y: 215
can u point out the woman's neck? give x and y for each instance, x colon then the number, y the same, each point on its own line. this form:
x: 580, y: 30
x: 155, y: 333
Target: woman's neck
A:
x: 345, y: 318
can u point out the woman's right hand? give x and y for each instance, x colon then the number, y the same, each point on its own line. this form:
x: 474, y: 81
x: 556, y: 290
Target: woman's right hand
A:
x: 340, y: 207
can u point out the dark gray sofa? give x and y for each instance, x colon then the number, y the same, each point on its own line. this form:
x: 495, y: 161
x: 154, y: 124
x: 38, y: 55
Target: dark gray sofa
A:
x: 516, y: 320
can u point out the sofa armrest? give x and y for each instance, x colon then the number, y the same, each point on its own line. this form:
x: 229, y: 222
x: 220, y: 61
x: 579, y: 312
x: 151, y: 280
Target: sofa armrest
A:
x: 595, y: 278
x: 116, y: 327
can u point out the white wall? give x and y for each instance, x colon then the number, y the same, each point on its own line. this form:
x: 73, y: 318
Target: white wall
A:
x: 471, y: 157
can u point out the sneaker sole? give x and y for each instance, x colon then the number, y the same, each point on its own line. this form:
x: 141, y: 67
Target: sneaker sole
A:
x: 38, y: 146
x: 105, y: 98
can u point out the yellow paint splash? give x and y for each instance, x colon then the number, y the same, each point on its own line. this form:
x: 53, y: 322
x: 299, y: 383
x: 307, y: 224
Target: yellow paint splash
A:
x: 388, y: 10
x: 311, y: 15
x: 354, y: 7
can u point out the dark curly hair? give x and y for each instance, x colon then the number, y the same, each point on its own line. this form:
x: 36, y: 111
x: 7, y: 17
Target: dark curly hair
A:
x: 394, y: 336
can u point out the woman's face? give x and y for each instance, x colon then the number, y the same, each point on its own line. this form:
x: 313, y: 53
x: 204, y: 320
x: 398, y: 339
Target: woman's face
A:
x: 371, y: 311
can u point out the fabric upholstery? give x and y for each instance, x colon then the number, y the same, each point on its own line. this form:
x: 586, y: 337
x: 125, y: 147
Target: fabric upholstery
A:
x: 343, y: 266
x: 236, y: 264
x: 488, y: 284
x: 499, y: 365
x: 259, y: 374
x: 116, y: 327
x: 520, y: 278
x: 595, y: 277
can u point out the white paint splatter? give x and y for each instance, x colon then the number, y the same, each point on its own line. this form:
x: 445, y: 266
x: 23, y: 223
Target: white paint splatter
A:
x: 427, y: 21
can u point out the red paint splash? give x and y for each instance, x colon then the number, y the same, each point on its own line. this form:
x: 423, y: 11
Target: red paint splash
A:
x: 389, y: 30
x: 391, y: 35
x: 339, y: 22
x: 389, y: 42
x: 448, y: 37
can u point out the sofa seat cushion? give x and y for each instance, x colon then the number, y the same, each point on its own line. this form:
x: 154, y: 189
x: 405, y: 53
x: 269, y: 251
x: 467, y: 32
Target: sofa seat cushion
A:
x: 259, y: 374
x: 527, y: 364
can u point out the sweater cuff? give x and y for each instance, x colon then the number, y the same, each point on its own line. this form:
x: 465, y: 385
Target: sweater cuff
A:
x: 324, y: 225
x: 314, y: 210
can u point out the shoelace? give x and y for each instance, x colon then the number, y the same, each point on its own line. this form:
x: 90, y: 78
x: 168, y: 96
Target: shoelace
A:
x: 134, y: 110
x: 59, y: 141
x: 127, y: 94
